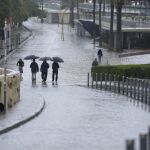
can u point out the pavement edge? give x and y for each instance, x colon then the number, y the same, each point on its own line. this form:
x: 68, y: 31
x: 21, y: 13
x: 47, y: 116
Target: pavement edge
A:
x: 22, y: 122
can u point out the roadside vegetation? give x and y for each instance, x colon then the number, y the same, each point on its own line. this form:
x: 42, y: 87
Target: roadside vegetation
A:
x: 135, y: 71
x: 18, y: 11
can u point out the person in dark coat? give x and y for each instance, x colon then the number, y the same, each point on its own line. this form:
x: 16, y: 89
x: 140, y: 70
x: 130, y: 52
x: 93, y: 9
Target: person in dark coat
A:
x: 20, y: 63
x: 34, y: 69
x: 100, y: 54
x: 44, y: 70
x: 55, y: 67
x: 95, y: 62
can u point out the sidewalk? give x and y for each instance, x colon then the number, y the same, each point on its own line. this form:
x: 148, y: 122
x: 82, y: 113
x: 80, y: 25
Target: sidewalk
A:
x: 28, y: 107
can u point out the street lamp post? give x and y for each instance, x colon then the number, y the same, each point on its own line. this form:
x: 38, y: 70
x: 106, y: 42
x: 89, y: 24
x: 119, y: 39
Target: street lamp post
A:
x: 94, y: 25
x: 5, y: 74
x: 42, y: 20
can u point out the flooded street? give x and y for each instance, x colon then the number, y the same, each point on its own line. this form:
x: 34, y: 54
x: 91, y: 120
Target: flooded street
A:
x: 75, y: 117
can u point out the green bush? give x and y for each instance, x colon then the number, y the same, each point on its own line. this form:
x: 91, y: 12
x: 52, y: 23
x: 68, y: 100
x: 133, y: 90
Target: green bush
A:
x: 134, y: 71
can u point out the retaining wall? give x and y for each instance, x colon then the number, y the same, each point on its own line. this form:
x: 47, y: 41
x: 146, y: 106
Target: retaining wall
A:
x: 12, y: 87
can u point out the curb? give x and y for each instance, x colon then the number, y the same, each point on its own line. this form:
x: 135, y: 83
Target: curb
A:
x: 134, y: 53
x: 22, y: 122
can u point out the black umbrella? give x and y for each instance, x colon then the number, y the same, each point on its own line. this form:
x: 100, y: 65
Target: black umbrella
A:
x: 57, y: 59
x: 45, y: 58
x: 31, y: 57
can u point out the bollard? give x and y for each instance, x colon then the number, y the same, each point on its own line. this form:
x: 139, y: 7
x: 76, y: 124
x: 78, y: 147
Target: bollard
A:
x: 123, y: 80
x: 109, y: 82
x: 96, y: 80
x: 127, y: 86
x: 92, y: 80
x: 105, y: 81
x: 88, y: 80
x: 101, y: 80
x: 143, y: 142
x: 129, y: 144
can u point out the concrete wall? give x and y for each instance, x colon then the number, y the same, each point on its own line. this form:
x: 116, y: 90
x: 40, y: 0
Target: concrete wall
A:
x: 12, y: 87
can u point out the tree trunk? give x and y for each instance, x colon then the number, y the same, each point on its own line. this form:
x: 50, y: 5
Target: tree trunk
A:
x: 94, y: 30
x: 100, y: 22
x: 72, y: 14
x: 111, y: 34
x: 104, y: 7
x: 119, y: 27
x: 78, y: 16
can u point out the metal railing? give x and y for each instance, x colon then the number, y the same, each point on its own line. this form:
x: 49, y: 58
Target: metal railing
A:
x: 138, y: 89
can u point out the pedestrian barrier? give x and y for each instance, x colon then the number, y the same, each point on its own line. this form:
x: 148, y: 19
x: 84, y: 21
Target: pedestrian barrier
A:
x: 138, y: 89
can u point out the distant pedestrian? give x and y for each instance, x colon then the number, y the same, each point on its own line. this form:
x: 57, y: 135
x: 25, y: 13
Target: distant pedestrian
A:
x: 20, y: 65
x: 95, y: 62
x: 34, y: 69
x: 55, y: 67
x: 44, y: 70
x: 100, y: 54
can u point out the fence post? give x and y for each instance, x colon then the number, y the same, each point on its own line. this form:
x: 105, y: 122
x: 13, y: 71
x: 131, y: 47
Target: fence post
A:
x: 96, y: 80
x: 134, y: 89
x: 109, y: 82
x: 88, y: 78
x: 114, y: 83
x: 142, y: 90
x: 118, y: 84
x: 148, y: 139
x: 138, y: 89
x: 105, y: 81
x: 129, y: 144
x: 92, y: 80
x: 143, y: 142
x: 149, y: 93
x: 146, y: 88
x: 131, y: 87
x: 123, y: 81
x: 127, y: 87
x: 101, y: 80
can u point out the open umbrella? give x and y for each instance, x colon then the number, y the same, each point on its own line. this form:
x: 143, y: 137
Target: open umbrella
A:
x: 45, y: 58
x: 31, y: 57
x: 57, y: 59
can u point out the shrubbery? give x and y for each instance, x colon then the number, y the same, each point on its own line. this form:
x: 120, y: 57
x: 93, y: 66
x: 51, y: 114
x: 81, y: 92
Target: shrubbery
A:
x: 134, y: 71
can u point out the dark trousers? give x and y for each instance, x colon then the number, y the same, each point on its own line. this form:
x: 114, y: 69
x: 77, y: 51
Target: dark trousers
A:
x: 44, y: 76
x: 55, y: 76
x: 99, y: 58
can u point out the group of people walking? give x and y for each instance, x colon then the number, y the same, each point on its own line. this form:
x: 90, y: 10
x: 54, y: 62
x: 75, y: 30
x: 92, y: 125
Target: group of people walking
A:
x: 43, y: 69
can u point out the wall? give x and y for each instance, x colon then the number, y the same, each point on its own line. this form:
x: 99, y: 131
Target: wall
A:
x: 12, y: 87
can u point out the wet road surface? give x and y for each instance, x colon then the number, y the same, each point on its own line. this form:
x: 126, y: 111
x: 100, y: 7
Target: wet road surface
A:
x: 75, y: 118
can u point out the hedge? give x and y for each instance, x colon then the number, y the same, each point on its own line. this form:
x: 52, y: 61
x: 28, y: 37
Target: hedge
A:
x: 135, y: 71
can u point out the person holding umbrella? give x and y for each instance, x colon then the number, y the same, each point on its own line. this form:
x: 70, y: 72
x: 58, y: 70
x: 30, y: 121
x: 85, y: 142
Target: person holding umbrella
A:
x: 34, y: 69
x: 44, y: 70
x: 55, y: 67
